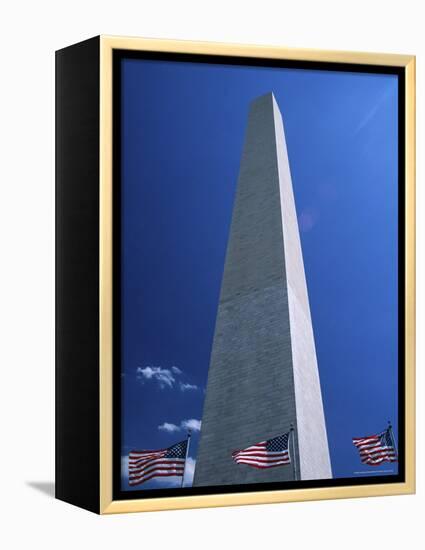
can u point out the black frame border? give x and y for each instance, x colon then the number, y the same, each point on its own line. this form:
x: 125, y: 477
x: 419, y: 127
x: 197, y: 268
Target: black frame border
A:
x: 118, y: 56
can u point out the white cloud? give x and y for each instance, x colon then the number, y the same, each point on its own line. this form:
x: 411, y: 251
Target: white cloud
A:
x: 124, y: 468
x: 172, y: 481
x: 187, y: 387
x: 164, y: 377
x: 189, y: 472
x: 191, y: 424
x: 168, y: 427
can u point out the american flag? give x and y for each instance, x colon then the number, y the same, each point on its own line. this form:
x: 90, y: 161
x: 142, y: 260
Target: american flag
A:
x: 144, y: 465
x: 376, y: 449
x: 266, y: 454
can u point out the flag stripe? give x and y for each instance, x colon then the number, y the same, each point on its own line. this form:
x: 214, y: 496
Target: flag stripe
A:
x: 378, y: 462
x: 137, y: 463
x: 158, y: 474
x: 151, y: 451
x: 155, y: 463
x: 378, y: 452
x: 261, y: 466
x: 161, y: 467
x: 365, y: 439
x: 265, y: 462
x: 257, y: 453
x: 145, y: 460
x: 262, y: 458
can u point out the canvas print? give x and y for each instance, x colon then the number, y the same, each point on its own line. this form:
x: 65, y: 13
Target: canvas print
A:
x: 259, y: 276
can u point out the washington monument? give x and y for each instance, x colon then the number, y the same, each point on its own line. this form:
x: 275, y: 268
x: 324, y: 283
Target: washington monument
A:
x: 263, y: 375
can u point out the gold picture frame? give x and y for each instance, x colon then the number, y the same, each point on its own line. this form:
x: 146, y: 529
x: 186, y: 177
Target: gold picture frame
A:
x: 106, y: 47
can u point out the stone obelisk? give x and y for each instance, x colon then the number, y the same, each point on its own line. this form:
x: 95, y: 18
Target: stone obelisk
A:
x: 263, y: 373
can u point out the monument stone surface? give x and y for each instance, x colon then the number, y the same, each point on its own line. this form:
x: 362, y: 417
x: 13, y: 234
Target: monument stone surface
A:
x: 263, y: 373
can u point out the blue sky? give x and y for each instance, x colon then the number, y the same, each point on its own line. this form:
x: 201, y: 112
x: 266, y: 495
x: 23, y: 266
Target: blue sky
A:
x: 182, y: 135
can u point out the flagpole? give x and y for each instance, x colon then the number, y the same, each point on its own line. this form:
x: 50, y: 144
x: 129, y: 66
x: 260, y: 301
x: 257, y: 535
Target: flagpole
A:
x: 187, y: 454
x: 390, y: 429
x: 292, y: 435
